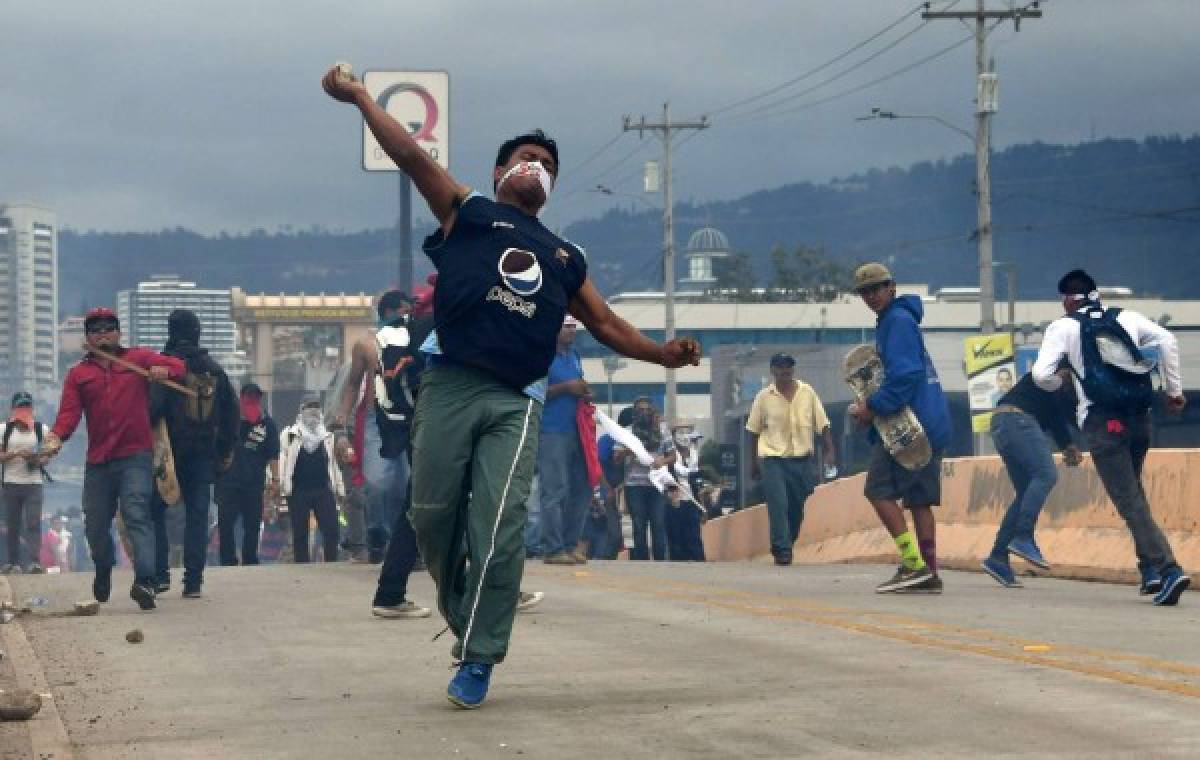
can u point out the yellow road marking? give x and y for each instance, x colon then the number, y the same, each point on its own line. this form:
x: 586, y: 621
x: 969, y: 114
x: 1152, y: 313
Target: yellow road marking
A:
x: 1067, y: 657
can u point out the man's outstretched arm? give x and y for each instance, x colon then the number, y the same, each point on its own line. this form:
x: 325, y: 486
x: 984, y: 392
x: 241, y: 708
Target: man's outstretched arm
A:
x: 605, y: 326
x: 440, y: 190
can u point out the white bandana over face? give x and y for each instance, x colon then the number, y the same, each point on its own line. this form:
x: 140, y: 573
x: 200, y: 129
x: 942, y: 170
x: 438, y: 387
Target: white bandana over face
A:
x: 530, y: 168
x: 312, y: 429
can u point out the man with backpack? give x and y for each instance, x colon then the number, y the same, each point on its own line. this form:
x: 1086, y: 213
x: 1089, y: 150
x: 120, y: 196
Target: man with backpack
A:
x: 22, y: 461
x: 384, y: 379
x: 203, y: 430
x: 1112, y: 381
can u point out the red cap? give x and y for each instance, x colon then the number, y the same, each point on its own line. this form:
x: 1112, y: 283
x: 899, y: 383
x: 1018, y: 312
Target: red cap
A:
x: 100, y: 312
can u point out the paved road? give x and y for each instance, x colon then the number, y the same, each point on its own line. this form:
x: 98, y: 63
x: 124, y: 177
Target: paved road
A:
x: 630, y: 660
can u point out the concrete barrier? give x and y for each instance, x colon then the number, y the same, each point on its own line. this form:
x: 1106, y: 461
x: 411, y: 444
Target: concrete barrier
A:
x: 1079, y: 531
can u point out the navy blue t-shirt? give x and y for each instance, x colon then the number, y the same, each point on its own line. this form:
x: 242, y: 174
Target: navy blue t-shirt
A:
x: 504, y: 282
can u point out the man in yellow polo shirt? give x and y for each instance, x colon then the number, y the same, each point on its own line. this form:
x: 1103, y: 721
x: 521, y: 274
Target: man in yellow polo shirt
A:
x: 783, y: 421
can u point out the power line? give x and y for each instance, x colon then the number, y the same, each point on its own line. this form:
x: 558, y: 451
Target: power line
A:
x: 818, y: 69
x: 866, y: 85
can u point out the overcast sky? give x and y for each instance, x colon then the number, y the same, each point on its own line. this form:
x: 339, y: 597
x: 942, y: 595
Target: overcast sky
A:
x: 127, y: 115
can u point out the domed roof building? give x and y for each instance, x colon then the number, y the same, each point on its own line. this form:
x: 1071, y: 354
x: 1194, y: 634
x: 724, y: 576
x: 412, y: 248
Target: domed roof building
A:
x: 705, y: 246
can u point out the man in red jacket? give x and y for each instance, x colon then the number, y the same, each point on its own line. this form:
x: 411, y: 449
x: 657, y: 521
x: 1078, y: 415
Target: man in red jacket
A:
x: 120, y: 444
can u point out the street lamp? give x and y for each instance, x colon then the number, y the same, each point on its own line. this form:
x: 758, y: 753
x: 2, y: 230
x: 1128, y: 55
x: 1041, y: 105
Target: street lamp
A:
x: 611, y: 364
x: 606, y: 190
x: 879, y: 113
x: 983, y: 189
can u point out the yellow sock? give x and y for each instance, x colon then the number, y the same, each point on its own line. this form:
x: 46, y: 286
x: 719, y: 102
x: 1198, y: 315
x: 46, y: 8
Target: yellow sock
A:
x: 910, y: 552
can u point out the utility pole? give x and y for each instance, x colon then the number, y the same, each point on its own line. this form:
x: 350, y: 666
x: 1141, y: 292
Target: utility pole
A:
x: 667, y: 129
x: 404, y: 279
x: 985, y: 107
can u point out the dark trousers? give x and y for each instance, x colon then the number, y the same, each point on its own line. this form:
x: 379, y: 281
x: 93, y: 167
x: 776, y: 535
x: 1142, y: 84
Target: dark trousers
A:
x: 1118, y: 445
x: 648, y: 509
x: 124, y: 483
x: 23, y: 519
x: 195, y: 485
x: 234, y: 503
x: 787, y: 484
x: 684, y: 542
x: 398, y: 561
x: 324, y: 506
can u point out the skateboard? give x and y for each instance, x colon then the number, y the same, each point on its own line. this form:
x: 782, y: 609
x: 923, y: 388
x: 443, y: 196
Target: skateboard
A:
x: 901, y: 433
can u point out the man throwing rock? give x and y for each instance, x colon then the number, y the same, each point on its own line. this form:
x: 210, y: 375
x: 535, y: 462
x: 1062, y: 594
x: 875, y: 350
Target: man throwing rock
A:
x: 505, y: 284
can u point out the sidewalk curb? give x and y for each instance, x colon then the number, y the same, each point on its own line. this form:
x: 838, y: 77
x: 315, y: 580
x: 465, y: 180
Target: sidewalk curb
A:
x: 47, y: 733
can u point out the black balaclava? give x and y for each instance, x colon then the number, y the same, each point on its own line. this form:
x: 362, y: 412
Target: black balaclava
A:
x: 183, y: 329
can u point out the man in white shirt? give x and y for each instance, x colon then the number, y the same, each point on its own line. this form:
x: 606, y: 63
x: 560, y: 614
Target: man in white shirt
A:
x: 22, y: 460
x: 1118, y: 435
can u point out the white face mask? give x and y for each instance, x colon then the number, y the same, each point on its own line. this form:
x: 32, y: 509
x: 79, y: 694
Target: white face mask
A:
x: 682, y: 439
x: 526, y: 168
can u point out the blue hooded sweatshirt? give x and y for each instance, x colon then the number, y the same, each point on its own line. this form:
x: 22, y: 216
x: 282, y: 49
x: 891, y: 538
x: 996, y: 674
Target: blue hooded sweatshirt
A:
x: 910, y: 376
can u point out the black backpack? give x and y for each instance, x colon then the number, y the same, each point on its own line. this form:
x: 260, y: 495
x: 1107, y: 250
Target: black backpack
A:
x: 193, y: 421
x: 1107, y: 385
x: 396, y: 382
x: 38, y: 432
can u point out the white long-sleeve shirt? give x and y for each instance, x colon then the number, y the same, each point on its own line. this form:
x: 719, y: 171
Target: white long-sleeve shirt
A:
x: 1062, y: 339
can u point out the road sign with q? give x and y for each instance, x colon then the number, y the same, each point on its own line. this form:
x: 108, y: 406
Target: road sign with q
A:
x: 420, y: 100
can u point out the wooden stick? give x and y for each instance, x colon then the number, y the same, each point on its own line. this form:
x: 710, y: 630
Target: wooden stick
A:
x: 143, y: 372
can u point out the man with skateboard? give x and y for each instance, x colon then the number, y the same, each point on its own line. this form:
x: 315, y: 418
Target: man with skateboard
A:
x: 910, y: 380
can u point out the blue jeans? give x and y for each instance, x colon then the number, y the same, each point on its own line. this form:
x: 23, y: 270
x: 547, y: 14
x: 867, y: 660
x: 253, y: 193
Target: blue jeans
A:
x: 533, y: 521
x: 385, y: 490
x: 124, y: 483
x: 648, y: 508
x: 787, y: 483
x: 1026, y: 453
x: 565, y: 493
x: 195, y: 484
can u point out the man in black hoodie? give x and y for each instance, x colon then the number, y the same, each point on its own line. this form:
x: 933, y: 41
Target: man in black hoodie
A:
x: 203, y: 431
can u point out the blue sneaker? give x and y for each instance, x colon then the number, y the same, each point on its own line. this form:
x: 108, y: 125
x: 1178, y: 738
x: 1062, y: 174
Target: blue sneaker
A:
x: 1001, y: 572
x: 469, y: 688
x: 1174, y: 584
x: 1027, y: 550
x: 1151, y: 582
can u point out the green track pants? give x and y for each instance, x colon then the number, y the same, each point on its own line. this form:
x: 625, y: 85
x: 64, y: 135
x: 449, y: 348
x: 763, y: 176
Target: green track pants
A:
x: 474, y: 448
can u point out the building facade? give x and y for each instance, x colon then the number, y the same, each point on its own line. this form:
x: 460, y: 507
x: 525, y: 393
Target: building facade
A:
x: 28, y: 296
x: 143, y: 312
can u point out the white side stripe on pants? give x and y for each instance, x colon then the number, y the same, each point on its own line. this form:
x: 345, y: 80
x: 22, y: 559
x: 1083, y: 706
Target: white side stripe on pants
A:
x: 496, y: 527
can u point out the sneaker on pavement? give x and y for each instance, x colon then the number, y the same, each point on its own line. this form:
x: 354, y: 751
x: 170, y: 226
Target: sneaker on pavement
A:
x: 1001, y: 571
x: 162, y: 587
x: 102, y: 587
x: 191, y: 591
x: 529, y: 599
x: 143, y: 594
x: 579, y: 557
x: 469, y: 687
x: 36, y: 569
x: 783, y: 559
x: 562, y: 558
x: 1151, y: 583
x: 928, y: 586
x: 11, y: 569
x: 1174, y: 584
x: 1027, y: 550
x: 904, y: 578
x: 403, y: 610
